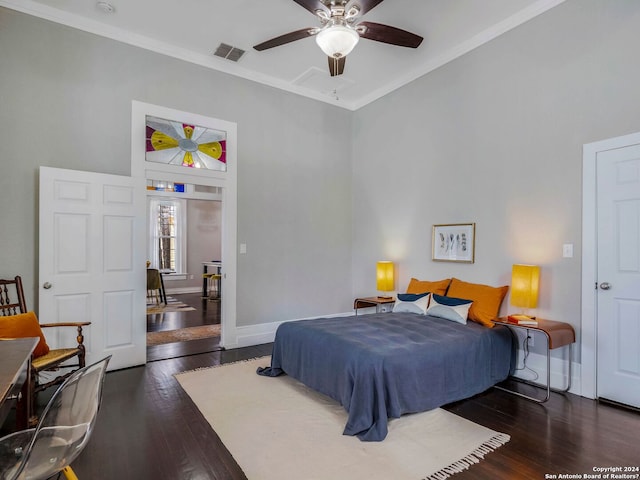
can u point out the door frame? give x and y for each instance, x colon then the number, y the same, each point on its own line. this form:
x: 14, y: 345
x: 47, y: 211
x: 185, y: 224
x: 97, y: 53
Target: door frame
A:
x: 589, y: 339
x: 226, y: 181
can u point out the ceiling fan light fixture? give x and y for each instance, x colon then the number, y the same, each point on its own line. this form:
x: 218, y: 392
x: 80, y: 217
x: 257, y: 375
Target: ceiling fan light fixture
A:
x: 337, y: 41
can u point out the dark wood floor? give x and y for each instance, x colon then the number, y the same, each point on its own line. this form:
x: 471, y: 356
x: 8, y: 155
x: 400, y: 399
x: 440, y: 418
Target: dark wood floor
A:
x: 148, y: 428
x: 207, y: 312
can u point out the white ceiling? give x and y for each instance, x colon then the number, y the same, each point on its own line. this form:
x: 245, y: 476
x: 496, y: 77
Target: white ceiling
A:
x: 193, y: 29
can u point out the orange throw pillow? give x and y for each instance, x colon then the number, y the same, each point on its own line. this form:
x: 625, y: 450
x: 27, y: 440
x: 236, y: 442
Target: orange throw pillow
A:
x: 21, y: 326
x: 486, y: 299
x: 422, y: 286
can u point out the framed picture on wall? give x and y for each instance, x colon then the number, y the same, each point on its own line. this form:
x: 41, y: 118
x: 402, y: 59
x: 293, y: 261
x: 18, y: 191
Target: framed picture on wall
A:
x: 454, y: 242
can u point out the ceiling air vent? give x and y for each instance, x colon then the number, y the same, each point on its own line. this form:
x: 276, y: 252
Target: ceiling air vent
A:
x: 228, y: 52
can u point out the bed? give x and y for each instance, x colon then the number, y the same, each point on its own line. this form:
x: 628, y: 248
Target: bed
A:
x: 381, y: 366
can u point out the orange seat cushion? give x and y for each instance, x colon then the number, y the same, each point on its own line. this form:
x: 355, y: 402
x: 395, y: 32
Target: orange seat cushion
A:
x: 486, y: 299
x: 423, y: 286
x: 22, y: 326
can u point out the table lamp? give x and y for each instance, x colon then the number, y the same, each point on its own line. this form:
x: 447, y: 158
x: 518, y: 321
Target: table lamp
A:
x: 525, y: 284
x: 384, y: 274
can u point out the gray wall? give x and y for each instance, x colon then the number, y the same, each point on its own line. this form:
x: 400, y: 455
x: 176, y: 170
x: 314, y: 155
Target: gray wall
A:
x: 204, y: 227
x: 66, y: 102
x: 496, y: 138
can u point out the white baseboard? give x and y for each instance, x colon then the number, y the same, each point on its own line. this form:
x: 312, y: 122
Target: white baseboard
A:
x: 250, y: 335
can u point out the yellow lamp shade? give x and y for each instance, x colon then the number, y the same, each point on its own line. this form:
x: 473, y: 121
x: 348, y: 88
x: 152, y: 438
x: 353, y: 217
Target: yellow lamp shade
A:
x: 525, y: 284
x: 384, y: 272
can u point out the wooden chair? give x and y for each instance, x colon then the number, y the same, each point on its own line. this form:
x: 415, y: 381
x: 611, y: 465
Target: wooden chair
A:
x: 155, y: 286
x: 55, y: 359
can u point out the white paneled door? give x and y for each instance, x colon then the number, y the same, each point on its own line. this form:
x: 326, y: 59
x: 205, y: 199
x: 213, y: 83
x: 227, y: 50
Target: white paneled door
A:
x: 92, y: 262
x: 618, y: 275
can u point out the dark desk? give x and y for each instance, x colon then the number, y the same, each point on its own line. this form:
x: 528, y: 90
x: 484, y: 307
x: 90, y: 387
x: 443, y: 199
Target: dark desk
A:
x: 15, y: 363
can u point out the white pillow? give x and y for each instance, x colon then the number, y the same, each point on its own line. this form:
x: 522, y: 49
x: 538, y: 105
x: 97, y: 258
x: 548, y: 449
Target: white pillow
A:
x: 411, y: 302
x: 449, y: 308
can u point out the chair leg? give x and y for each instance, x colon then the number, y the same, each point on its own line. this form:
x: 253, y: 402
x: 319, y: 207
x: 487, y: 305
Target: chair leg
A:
x: 81, y: 347
x: 32, y: 421
x: 69, y: 474
x: 24, y: 404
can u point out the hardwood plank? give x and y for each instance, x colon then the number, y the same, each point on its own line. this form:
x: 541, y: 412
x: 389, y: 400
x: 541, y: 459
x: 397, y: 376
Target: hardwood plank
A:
x: 567, y: 434
x: 206, y: 312
x: 149, y: 428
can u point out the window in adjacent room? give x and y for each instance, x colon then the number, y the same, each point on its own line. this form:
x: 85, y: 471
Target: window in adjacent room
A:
x: 167, y: 235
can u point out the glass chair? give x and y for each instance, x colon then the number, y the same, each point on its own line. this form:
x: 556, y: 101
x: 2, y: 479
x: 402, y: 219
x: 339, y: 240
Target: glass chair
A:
x: 62, y: 432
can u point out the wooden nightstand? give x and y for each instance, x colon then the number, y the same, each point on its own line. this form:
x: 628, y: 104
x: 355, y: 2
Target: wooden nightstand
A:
x: 558, y: 335
x: 372, y: 302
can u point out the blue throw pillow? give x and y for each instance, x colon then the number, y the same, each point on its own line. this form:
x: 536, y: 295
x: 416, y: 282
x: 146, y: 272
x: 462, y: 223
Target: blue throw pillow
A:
x: 449, y: 308
x: 411, y: 302
x: 411, y: 297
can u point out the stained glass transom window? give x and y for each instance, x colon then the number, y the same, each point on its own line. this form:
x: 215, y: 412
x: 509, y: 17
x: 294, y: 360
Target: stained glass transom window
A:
x: 176, y: 143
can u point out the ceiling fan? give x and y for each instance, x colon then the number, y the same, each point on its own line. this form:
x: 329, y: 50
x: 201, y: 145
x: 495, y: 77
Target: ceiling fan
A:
x: 340, y: 30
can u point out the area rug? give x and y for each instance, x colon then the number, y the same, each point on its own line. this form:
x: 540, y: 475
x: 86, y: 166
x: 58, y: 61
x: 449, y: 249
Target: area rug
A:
x: 172, y: 305
x: 276, y: 428
x: 182, y: 334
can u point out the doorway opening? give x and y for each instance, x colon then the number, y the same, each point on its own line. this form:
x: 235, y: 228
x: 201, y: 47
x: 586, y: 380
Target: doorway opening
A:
x: 193, y: 156
x: 184, y: 313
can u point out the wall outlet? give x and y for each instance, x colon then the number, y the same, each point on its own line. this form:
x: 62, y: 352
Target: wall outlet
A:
x: 524, y: 337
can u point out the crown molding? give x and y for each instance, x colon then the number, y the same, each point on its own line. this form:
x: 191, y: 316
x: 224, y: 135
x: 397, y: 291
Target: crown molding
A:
x: 82, y: 23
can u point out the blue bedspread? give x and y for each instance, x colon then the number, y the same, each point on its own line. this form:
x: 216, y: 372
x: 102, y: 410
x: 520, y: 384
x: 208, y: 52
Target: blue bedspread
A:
x: 381, y: 366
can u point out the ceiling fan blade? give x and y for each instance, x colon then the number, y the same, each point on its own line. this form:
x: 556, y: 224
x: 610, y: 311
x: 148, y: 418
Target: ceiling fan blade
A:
x: 387, y: 34
x: 364, y: 5
x: 286, y: 38
x: 336, y: 65
x: 313, y: 5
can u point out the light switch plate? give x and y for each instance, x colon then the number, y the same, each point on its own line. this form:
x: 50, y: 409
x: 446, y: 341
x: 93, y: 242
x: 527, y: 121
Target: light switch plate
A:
x: 567, y: 250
